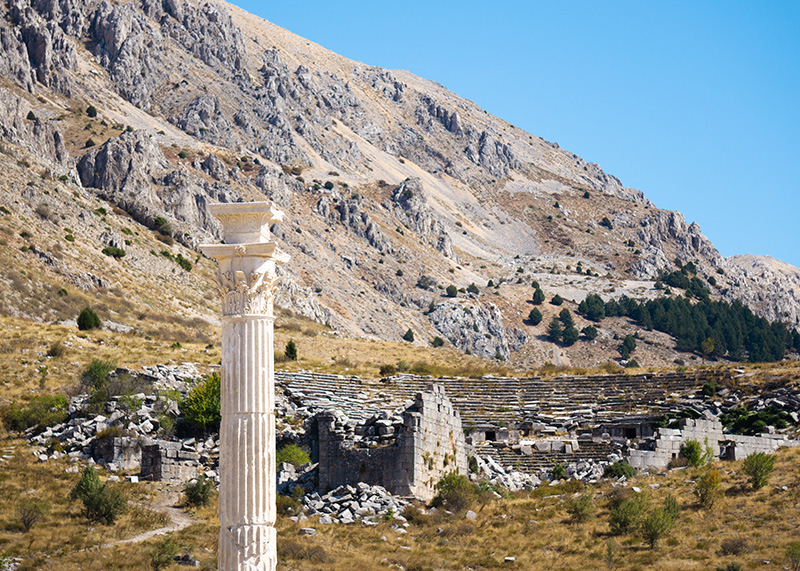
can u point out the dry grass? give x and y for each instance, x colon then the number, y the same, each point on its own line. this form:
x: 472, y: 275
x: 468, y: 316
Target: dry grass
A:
x: 746, y: 527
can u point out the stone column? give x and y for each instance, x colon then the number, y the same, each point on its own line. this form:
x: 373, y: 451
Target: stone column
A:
x: 247, y: 279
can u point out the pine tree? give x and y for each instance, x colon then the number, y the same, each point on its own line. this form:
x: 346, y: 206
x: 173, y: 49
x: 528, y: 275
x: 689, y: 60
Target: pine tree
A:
x: 555, y: 330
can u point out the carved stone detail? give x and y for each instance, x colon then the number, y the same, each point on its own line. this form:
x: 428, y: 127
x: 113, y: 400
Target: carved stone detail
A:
x: 247, y: 294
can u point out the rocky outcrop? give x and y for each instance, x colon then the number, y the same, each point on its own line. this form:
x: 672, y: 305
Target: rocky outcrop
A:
x: 130, y: 49
x: 203, y: 118
x: 38, y: 136
x: 408, y: 201
x: 50, y: 53
x: 450, y: 120
x: 355, y: 218
x: 493, y: 155
x: 132, y: 172
x: 476, y: 329
x: 665, y: 236
x: 771, y: 288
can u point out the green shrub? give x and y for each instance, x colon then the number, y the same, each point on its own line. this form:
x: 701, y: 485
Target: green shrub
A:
x: 626, y: 512
x: 758, y: 466
x: 31, y: 116
x: 163, y: 554
x: 557, y: 300
x: 102, y: 503
x: 619, y: 469
x: 89, y: 143
x: 708, y: 488
x: 731, y: 567
x: 451, y: 291
x: 114, y: 252
x: 535, y: 316
x: 590, y: 332
x: 455, y: 492
x: 559, y: 472
x: 741, y: 421
x: 693, y: 451
x: 88, y: 319
x: 607, y: 223
x: 581, y: 509
x: 95, y: 375
x: 201, y: 407
x: 472, y: 288
x: 91, y: 111
x: 183, y: 263
x: 198, y: 491
x: 40, y: 412
x: 293, y: 454
x: 656, y: 525
x: 437, y: 341
x: 290, y: 352
x: 409, y: 336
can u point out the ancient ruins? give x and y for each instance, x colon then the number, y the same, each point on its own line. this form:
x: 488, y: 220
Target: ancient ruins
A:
x: 247, y: 262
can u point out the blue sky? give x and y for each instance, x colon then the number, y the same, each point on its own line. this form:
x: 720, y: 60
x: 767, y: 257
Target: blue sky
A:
x: 695, y: 103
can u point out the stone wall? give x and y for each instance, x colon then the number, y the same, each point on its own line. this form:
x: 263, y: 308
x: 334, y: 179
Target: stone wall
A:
x: 726, y: 446
x: 166, y: 461
x: 428, y: 445
x: 123, y: 452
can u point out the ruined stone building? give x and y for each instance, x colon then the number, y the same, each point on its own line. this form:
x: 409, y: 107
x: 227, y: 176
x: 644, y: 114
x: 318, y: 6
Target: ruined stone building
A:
x: 407, y: 454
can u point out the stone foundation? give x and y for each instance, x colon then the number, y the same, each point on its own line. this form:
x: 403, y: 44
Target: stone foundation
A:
x: 167, y: 462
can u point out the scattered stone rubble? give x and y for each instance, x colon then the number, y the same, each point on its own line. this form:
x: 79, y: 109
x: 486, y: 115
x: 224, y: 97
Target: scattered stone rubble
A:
x: 347, y: 504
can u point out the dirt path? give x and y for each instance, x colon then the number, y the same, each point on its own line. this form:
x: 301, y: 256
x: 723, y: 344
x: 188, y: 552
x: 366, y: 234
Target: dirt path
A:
x: 166, y: 505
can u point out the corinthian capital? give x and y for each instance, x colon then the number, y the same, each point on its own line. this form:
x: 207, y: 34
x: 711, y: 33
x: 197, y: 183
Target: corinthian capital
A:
x: 246, y: 272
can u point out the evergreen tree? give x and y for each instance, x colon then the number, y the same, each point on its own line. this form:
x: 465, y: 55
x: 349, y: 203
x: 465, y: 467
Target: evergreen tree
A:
x: 566, y: 318
x: 555, y: 330
x: 538, y: 297
x: 593, y: 308
x: 409, y: 336
x: 570, y: 335
x: 535, y: 316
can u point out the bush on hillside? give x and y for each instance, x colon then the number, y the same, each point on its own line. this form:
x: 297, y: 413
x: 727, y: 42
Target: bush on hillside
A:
x: 626, y: 512
x: 535, y: 316
x: 102, y: 503
x: 198, y: 491
x: 290, y: 352
x: 581, y: 509
x: 39, y: 412
x: 758, y: 466
x: 88, y: 319
x: 455, y: 492
x: 695, y: 453
x: 619, y: 469
x: 708, y: 488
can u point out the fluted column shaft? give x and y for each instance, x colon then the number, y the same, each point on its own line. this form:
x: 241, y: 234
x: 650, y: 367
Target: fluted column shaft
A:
x: 247, y: 432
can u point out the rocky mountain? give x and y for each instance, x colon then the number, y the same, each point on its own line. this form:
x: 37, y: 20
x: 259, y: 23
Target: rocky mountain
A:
x: 120, y: 123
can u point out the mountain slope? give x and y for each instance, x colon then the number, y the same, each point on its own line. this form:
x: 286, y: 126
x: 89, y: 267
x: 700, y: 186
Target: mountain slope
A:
x: 394, y: 188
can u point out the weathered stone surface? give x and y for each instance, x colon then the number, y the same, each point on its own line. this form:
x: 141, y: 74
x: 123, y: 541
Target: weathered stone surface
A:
x: 476, y: 328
